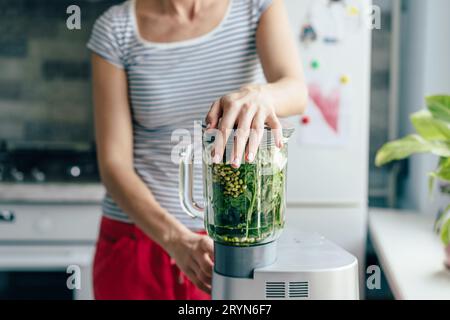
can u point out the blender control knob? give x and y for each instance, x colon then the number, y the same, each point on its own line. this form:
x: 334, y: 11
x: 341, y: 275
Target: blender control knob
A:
x: 75, y: 171
x: 17, y: 175
x: 38, y: 175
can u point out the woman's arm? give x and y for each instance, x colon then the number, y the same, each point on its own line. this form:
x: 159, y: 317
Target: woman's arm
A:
x: 114, y: 138
x: 280, y: 60
x: 254, y: 106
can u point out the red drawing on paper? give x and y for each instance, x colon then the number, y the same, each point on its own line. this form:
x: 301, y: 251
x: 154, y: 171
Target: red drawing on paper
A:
x: 328, y: 105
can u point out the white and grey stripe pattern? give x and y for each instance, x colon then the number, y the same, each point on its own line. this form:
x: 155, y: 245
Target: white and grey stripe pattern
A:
x: 172, y: 85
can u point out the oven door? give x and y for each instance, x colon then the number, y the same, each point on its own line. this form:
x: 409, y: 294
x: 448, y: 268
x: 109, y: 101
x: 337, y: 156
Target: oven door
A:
x: 46, y: 272
x: 46, y: 250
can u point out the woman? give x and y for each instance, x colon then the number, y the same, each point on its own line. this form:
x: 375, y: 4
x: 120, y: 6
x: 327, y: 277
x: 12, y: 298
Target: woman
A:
x: 158, y: 66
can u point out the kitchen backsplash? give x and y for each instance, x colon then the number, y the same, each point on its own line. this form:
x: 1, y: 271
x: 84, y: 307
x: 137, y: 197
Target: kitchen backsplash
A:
x: 45, y: 90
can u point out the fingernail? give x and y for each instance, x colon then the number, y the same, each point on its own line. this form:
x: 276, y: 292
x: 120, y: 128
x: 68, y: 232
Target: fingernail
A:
x: 250, y: 157
x: 208, y: 126
x: 236, y: 162
x: 216, y: 159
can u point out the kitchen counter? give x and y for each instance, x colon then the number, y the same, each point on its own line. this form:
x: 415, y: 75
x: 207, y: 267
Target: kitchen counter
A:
x: 411, y: 254
x: 51, y: 192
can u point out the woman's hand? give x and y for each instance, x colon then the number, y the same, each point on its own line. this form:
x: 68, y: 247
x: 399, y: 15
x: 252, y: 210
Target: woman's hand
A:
x: 253, y: 107
x: 193, y: 254
x: 247, y: 110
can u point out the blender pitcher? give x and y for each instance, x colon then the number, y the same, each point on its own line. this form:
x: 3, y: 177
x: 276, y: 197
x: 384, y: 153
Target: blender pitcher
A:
x: 243, y: 206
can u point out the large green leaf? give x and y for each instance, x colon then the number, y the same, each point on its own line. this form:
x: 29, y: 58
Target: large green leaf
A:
x: 444, y: 226
x: 445, y: 233
x: 443, y: 172
x: 439, y: 106
x: 439, y: 148
x: 431, y: 180
x: 429, y: 127
x: 403, y: 148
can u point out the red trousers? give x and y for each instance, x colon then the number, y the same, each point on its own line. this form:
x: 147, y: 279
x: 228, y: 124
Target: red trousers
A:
x: 128, y: 265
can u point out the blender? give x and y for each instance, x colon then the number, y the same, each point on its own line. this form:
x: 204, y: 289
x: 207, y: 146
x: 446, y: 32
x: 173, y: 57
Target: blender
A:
x: 244, y: 213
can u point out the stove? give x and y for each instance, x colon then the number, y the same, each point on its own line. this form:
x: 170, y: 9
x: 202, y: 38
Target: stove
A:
x: 63, y: 164
x: 49, y: 218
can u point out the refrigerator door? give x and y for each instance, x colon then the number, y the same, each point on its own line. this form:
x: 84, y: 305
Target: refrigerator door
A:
x: 328, y: 155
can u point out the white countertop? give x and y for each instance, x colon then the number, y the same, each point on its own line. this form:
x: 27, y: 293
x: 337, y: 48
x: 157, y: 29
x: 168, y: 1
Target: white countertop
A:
x: 411, y: 254
x: 51, y: 192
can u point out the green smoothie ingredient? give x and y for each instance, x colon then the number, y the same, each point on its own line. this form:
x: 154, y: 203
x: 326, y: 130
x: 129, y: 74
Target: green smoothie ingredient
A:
x: 248, y: 202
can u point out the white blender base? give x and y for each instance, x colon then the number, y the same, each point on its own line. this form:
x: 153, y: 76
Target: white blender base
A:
x: 308, y: 267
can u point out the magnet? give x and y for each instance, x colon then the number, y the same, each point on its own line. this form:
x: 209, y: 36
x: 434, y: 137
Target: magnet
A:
x: 308, y: 34
x: 345, y: 79
x: 353, y: 11
x: 315, y: 64
x: 330, y: 40
x: 305, y: 120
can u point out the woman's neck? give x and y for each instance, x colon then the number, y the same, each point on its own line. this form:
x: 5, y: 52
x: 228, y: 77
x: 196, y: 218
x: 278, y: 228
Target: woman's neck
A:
x: 182, y: 9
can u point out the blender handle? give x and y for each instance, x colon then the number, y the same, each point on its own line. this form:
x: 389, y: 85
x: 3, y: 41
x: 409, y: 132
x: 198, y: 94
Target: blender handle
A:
x: 186, y: 180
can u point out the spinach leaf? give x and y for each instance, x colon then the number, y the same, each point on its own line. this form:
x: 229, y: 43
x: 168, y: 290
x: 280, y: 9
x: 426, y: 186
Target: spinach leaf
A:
x: 248, y: 203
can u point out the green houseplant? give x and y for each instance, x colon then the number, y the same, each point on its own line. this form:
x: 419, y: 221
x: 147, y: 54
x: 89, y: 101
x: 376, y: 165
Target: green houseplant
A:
x: 433, y: 136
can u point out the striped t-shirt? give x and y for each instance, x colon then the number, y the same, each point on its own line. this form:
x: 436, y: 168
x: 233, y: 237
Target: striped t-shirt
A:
x: 172, y: 85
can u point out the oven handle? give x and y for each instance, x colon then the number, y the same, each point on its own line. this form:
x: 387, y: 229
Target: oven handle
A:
x: 35, y: 259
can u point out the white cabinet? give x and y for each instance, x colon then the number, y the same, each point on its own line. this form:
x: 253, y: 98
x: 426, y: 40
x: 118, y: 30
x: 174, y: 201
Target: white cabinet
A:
x: 46, y: 222
x: 50, y: 237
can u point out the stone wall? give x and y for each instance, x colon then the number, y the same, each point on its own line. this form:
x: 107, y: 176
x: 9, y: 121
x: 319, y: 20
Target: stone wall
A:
x: 45, y: 90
